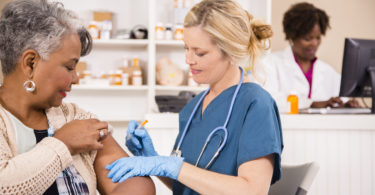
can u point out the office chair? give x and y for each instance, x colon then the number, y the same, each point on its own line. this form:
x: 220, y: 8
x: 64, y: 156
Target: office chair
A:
x: 296, y: 179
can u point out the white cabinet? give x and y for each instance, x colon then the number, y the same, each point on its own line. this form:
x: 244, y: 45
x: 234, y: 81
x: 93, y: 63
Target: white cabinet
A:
x: 121, y: 103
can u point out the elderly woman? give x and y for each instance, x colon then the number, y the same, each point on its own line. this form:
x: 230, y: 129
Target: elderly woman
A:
x: 297, y: 69
x: 46, y: 146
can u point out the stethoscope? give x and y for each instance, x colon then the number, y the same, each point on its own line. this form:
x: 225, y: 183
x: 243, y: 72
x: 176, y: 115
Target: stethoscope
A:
x: 177, y: 151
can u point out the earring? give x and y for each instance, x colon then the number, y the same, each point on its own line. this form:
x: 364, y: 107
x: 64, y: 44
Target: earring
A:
x: 27, y: 84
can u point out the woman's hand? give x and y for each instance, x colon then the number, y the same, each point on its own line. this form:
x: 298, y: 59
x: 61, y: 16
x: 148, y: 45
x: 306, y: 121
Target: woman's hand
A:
x: 82, y: 135
x: 353, y: 103
x: 139, y: 141
x: 336, y: 102
x: 332, y: 102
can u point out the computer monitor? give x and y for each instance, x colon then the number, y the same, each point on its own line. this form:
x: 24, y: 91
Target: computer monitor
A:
x: 358, y: 69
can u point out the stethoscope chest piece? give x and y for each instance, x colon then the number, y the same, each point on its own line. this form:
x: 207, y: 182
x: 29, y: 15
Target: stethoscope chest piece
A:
x: 176, y: 153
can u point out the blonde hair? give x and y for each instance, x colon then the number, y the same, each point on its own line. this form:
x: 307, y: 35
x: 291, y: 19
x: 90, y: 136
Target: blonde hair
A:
x: 234, y: 30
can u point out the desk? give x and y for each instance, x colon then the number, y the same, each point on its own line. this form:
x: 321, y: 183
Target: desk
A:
x: 343, y: 145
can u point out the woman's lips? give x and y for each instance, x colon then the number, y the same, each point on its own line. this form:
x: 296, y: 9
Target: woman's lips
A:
x: 63, y: 93
x: 195, y: 71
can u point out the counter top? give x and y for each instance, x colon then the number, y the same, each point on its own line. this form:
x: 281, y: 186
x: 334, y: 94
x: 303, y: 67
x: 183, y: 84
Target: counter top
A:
x: 290, y: 122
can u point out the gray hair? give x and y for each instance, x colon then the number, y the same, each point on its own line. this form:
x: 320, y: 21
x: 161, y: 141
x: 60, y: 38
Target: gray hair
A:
x: 39, y: 25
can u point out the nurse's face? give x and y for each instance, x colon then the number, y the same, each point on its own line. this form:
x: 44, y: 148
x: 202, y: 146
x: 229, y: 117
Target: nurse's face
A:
x: 207, y: 63
x: 305, y: 47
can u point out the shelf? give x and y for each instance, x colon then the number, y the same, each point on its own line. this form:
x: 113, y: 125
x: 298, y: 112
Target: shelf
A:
x: 120, y: 42
x: 108, y: 88
x: 179, y: 88
x: 169, y: 43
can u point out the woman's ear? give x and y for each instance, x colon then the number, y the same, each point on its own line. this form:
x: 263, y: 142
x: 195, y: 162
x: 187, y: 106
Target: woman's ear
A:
x: 29, y: 61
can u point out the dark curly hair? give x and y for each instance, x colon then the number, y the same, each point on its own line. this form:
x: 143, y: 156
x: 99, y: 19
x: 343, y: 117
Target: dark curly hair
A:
x: 301, y: 18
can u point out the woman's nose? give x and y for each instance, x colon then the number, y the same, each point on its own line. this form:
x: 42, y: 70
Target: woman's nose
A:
x: 189, y: 58
x: 75, y: 78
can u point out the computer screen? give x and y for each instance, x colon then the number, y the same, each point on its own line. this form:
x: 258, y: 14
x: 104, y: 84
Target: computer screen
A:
x: 358, y: 69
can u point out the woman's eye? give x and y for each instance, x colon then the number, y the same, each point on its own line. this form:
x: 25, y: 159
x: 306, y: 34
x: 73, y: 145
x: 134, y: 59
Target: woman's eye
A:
x: 69, y: 68
x: 200, y: 54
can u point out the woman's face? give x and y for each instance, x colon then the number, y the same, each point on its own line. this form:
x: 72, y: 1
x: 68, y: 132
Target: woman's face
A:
x: 207, y: 63
x: 54, y: 77
x: 305, y: 47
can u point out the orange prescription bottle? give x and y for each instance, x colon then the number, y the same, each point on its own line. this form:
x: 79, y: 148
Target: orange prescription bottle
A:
x: 292, y: 103
x: 179, y: 33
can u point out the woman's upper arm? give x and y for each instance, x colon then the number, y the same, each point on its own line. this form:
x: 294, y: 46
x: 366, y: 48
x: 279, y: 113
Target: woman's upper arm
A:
x: 111, y: 152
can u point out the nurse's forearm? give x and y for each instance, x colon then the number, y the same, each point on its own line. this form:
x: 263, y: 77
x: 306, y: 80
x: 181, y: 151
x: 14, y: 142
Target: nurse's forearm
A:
x: 208, y: 182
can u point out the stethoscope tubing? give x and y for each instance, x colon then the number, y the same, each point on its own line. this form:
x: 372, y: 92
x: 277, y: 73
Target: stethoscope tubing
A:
x: 217, y: 128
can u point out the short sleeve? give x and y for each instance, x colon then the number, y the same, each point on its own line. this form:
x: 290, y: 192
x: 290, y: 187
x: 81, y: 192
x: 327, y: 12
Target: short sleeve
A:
x: 261, y: 134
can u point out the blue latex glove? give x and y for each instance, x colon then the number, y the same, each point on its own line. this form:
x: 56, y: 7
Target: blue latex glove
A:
x: 139, y: 141
x: 127, y: 167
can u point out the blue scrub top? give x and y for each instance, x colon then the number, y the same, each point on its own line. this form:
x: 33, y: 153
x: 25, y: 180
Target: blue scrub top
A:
x: 254, y: 131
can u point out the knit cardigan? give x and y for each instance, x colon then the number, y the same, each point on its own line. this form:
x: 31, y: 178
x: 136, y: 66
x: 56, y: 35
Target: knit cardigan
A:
x: 34, y: 171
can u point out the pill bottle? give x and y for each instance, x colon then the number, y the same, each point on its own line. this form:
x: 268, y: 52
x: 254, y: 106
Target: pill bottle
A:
x: 137, y: 78
x: 179, y: 32
x: 159, y: 31
x: 292, y: 103
x: 117, y: 77
x: 86, y: 77
x: 106, y: 31
x: 125, y: 79
x: 94, y: 30
x: 168, y: 32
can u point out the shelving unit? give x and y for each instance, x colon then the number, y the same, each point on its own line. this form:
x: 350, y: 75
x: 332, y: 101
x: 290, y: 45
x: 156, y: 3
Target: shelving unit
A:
x: 123, y: 103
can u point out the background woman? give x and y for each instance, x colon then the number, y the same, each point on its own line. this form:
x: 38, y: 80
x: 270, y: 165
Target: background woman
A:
x: 296, y: 69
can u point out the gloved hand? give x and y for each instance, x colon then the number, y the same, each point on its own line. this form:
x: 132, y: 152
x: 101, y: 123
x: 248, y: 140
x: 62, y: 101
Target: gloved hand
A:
x: 127, y: 167
x: 139, y: 141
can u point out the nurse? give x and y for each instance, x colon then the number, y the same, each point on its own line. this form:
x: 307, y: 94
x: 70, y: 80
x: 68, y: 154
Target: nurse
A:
x: 230, y: 138
x: 296, y: 69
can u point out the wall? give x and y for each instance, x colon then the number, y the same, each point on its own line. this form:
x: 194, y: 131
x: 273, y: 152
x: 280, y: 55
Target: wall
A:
x: 348, y: 18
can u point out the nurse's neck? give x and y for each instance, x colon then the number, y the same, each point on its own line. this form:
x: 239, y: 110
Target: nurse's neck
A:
x: 230, y: 78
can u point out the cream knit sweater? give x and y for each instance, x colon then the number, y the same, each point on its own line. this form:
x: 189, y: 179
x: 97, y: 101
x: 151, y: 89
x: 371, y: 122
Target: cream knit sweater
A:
x: 34, y: 171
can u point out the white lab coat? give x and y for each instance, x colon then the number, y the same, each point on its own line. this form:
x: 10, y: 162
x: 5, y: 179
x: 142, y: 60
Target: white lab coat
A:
x: 284, y: 76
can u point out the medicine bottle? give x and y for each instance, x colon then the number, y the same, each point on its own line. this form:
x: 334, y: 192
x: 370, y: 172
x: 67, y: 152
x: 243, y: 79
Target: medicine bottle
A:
x: 94, y: 30
x: 117, y: 77
x: 106, y: 31
x: 137, y: 78
x: 168, y: 32
x: 179, y: 33
x: 159, y: 31
x: 125, y: 79
x: 292, y: 103
x: 86, y: 77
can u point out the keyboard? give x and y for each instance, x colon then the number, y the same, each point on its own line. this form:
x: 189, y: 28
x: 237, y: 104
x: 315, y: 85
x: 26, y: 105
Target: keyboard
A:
x: 335, y: 111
